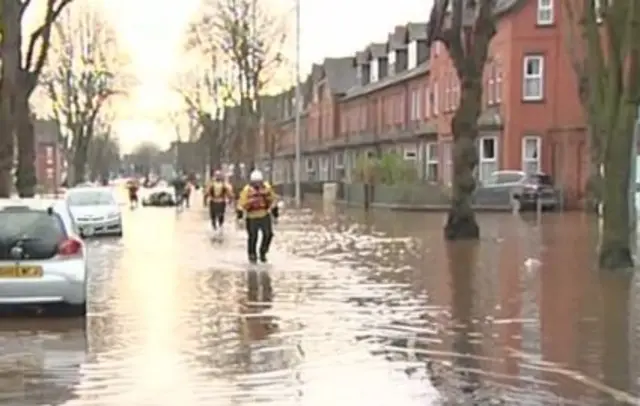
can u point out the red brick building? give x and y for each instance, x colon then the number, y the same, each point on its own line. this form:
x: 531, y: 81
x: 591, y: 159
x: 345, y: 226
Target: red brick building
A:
x: 400, y: 96
x: 50, y: 162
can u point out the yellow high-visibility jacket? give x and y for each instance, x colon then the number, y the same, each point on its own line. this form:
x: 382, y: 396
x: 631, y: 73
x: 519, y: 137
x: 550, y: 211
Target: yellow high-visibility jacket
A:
x: 257, y: 202
x: 217, y: 191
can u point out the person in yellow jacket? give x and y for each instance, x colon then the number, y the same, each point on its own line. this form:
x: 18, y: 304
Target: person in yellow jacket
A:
x: 257, y: 202
x: 217, y: 194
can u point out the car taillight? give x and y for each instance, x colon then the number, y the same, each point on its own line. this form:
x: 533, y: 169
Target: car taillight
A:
x: 70, y: 247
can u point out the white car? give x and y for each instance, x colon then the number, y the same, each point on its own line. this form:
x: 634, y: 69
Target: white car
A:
x: 95, y: 210
x: 43, y: 260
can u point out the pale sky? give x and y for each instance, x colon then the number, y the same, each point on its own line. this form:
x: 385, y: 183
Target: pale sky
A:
x: 152, y: 32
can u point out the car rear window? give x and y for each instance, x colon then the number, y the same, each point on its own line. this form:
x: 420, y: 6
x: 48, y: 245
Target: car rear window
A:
x: 38, y: 232
x: 90, y: 198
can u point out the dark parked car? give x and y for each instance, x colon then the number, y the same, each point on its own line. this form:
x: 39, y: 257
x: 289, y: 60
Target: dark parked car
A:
x: 159, y: 197
x: 503, y: 186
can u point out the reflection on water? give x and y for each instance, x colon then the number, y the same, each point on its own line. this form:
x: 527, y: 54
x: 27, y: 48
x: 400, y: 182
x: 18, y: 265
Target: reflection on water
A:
x: 355, y: 309
x: 522, y: 316
x: 38, y: 366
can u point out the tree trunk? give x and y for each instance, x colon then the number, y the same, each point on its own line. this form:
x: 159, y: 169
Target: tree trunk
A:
x: 462, y: 257
x: 10, y: 44
x: 7, y: 145
x: 80, y: 163
x: 616, y: 293
x: 26, y: 171
x: 461, y: 222
x: 616, y: 240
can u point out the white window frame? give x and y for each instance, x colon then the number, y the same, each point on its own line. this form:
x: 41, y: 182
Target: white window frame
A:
x: 447, y: 157
x: 526, y: 77
x: 498, y: 84
x: 427, y: 102
x: 374, y: 70
x: 391, y: 61
x: 430, y: 162
x: 544, y: 12
x: 412, y: 57
x: 491, y: 162
x: 490, y: 85
x: 324, y: 168
x: 436, y: 107
x: 415, y: 105
x: 310, y: 165
x: 410, y: 153
x: 528, y: 160
x: 338, y: 160
x: 447, y: 93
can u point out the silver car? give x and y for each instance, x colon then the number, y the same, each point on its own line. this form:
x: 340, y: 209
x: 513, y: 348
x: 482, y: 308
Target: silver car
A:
x: 43, y: 259
x: 95, y: 210
x: 527, y: 188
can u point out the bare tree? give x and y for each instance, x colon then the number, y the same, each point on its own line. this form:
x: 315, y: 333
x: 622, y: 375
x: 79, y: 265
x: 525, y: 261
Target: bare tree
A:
x: 247, y: 40
x: 145, y: 157
x: 271, y: 130
x: 611, y: 66
x: 205, y: 93
x: 85, y: 72
x: 21, y: 69
x: 10, y: 48
x: 576, y: 50
x: 466, y: 28
x: 104, y: 150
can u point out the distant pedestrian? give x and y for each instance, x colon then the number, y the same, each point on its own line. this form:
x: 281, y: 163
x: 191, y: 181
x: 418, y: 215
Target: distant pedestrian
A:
x: 217, y: 193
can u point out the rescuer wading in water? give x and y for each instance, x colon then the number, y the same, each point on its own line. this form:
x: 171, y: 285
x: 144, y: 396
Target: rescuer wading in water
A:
x: 257, y: 203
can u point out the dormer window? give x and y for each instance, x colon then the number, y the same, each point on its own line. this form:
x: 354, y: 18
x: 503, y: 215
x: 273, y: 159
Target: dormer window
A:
x: 391, y: 58
x: 375, y: 70
x: 413, y: 55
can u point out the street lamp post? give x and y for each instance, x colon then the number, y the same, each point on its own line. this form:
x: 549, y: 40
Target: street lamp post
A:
x: 298, y: 164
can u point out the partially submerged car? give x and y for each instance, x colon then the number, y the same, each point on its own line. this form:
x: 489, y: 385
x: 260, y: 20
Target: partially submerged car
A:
x: 159, y: 197
x: 527, y: 189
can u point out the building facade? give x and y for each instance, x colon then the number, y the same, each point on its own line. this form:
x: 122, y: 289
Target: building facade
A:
x: 50, y: 161
x: 400, y: 96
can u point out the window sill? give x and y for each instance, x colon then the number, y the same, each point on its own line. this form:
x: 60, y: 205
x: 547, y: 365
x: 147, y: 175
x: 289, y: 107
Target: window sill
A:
x: 533, y: 100
x: 551, y: 24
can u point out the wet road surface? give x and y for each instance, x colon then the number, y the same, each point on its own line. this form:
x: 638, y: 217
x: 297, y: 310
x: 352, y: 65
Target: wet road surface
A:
x: 355, y: 309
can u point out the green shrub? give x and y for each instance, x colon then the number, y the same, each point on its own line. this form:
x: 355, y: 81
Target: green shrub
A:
x: 387, y: 169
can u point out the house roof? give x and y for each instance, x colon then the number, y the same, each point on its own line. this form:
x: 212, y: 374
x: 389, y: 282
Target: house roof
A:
x: 340, y: 73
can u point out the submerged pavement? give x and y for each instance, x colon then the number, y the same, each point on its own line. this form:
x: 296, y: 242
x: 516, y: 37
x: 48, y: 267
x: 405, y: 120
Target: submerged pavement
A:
x: 354, y: 309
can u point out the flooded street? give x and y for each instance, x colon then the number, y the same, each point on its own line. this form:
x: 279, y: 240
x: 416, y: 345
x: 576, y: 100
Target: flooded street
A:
x: 354, y: 309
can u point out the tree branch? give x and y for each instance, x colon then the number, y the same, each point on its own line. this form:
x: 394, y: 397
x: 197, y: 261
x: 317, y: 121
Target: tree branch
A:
x: 42, y: 33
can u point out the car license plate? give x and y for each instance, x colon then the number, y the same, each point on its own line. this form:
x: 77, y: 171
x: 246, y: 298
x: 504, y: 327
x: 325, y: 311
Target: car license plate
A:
x: 20, y: 272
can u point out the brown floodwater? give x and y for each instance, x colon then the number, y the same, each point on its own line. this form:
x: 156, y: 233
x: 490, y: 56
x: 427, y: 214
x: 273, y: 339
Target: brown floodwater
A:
x: 354, y: 309
x: 522, y: 316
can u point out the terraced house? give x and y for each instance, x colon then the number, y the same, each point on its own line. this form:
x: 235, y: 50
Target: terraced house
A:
x: 399, y: 96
